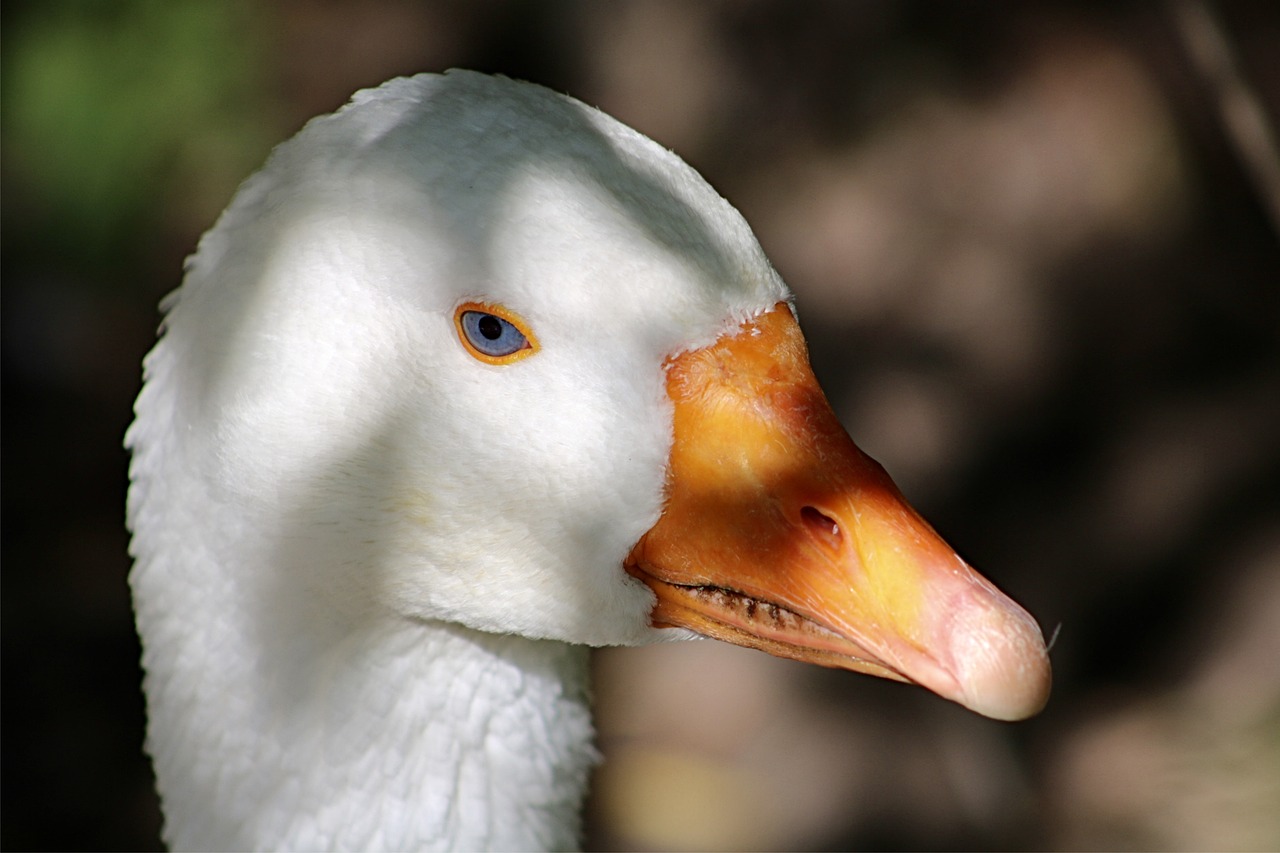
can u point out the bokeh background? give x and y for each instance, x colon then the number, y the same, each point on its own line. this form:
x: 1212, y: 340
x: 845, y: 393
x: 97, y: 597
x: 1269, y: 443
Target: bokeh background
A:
x: 1034, y: 247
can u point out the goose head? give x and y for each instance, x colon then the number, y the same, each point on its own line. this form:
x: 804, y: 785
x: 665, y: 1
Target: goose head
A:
x: 470, y: 353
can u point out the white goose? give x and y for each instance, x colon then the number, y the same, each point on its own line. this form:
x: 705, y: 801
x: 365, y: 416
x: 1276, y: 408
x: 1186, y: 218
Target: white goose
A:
x: 468, y: 378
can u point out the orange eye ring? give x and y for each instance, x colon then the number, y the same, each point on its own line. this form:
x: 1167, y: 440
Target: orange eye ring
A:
x: 493, y: 334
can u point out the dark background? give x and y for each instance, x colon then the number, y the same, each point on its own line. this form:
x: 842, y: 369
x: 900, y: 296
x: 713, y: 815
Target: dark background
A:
x: 1040, y: 284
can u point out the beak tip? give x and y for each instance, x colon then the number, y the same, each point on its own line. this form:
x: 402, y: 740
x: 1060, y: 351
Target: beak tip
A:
x: 1003, y: 664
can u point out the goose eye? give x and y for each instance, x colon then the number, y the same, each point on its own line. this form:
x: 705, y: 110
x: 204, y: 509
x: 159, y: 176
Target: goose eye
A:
x: 492, y: 334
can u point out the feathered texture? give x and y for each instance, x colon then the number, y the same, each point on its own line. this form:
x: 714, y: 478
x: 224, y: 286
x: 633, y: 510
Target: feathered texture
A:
x: 360, y: 551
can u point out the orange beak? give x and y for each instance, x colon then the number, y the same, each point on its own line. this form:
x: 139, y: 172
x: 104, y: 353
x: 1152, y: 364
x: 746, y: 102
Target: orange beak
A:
x: 780, y: 534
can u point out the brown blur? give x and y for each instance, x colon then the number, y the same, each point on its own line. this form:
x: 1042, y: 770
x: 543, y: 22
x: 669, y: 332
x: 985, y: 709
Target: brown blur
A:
x: 1035, y: 254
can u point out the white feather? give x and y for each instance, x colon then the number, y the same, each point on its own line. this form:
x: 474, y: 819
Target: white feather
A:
x: 360, y: 552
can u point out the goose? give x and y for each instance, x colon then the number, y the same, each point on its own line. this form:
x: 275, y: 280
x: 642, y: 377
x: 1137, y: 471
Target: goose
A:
x: 467, y: 379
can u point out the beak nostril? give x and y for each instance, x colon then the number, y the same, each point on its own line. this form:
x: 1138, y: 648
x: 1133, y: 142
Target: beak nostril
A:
x: 823, y: 526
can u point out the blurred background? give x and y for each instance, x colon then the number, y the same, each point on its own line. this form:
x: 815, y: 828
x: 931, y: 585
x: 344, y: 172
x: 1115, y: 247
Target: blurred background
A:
x: 1035, y: 250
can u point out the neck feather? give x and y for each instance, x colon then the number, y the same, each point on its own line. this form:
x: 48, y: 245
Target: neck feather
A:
x: 393, y: 735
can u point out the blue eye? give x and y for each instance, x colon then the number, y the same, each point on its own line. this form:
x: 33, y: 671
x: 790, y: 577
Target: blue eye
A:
x: 491, y: 336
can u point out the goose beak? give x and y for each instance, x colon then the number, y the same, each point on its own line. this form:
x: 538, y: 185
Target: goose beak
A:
x: 781, y: 535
